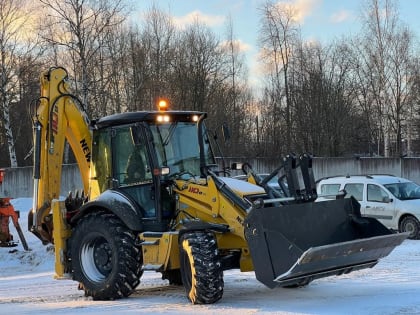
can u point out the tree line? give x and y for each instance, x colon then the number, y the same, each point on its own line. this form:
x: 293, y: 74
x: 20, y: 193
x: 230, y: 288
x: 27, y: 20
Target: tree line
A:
x: 354, y: 95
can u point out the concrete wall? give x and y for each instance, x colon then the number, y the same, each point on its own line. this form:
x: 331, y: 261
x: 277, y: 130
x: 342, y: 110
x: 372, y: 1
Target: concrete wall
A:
x: 323, y: 167
x: 18, y: 182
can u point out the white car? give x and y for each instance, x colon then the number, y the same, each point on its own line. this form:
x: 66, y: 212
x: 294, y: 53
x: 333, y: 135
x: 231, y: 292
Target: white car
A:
x: 394, y: 201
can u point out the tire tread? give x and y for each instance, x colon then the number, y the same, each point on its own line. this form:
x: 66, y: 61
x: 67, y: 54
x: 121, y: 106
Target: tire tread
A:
x: 122, y: 281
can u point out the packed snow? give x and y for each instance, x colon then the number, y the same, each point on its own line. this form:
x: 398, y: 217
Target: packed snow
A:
x: 27, y: 286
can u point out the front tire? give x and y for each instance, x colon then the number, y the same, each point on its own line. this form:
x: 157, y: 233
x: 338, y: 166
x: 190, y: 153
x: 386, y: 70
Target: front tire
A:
x: 105, y: 260
x: 412, y: 225
x: 201, y: 268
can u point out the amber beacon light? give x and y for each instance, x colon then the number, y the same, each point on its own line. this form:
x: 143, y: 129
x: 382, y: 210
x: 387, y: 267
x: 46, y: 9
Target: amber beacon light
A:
x: 163, y: 105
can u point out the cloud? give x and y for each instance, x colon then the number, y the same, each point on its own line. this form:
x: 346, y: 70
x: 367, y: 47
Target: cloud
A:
x: 190, y: 18
x: 300, y: 9
x: 341, y: 16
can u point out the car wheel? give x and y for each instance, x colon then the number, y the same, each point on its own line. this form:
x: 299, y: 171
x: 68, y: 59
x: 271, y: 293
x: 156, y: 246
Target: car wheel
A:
x: 412, y: 225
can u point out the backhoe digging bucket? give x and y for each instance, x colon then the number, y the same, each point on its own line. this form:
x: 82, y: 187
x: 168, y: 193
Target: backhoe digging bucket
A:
x: 295, y: 244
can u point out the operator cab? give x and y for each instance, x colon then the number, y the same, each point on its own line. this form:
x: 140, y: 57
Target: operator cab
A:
x: 139, y: 154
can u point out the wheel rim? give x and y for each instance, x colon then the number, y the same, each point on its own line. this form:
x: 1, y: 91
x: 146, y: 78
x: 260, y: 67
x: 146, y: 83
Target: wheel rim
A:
x: 96, y: 258
x: 409, y: 227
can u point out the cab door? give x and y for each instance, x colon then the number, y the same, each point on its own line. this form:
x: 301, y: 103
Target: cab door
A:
x: 379, y: 204
x: 132, y: 169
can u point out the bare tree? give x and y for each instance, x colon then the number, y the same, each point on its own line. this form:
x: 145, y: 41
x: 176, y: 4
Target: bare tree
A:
x: 414, y: 112
x: 385, y: 56
x: 112, y: 72
x: 323, y: 109
x: 238, y: 97
x: 157, y: 39
x: 78, y: 27
x: 15, y: 45
x: 138, y: 72
x: 198, y: 68
x: 278, y: 34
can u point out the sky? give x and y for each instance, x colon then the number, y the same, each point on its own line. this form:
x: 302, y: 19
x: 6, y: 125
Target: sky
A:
x: 321, y: 20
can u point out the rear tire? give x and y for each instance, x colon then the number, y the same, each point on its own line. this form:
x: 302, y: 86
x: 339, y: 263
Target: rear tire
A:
x: 201, y: 268
x: 105, y: 260
x: 412, y: 225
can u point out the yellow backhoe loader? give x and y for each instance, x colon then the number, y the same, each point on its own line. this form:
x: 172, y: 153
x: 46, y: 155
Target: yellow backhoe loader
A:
x: 154, y: 200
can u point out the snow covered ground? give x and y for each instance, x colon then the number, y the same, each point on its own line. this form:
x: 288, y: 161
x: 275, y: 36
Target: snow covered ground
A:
x: 27, y: 287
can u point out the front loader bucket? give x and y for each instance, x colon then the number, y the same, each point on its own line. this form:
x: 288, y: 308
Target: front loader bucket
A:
x: 295, y: 244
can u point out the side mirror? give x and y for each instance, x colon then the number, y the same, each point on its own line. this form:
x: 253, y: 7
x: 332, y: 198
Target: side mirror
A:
x: 386, y: 199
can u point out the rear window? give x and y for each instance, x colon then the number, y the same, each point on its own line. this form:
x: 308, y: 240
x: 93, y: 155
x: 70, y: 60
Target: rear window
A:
x: 330, y: 189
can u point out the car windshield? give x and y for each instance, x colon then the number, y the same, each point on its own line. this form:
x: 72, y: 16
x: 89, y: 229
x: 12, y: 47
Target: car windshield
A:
x: 177, y: 146
x: 404, y: 191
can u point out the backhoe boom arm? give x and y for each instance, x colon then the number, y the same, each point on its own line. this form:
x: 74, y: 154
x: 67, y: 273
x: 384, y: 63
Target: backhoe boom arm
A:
x: 59, y: 117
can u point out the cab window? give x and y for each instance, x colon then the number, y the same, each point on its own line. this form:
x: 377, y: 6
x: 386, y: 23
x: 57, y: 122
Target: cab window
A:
x: 131, y: 160
x: 376, y: 193
x: 355, y: 190
x: 101, y: 156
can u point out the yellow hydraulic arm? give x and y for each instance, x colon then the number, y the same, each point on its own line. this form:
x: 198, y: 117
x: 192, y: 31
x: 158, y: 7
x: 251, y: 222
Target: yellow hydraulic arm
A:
x: 59, y: 117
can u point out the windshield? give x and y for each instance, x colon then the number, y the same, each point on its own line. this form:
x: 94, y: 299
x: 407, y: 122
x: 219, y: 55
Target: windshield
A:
x: 177, y: 147
x: 404, y: 191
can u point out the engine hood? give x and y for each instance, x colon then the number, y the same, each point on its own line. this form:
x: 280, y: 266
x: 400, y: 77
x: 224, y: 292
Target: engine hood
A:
x: 241, y: 187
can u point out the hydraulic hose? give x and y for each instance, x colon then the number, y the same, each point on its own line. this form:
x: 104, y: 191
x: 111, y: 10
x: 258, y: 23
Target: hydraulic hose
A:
x: 36, y: 171
x: 37, y: 150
